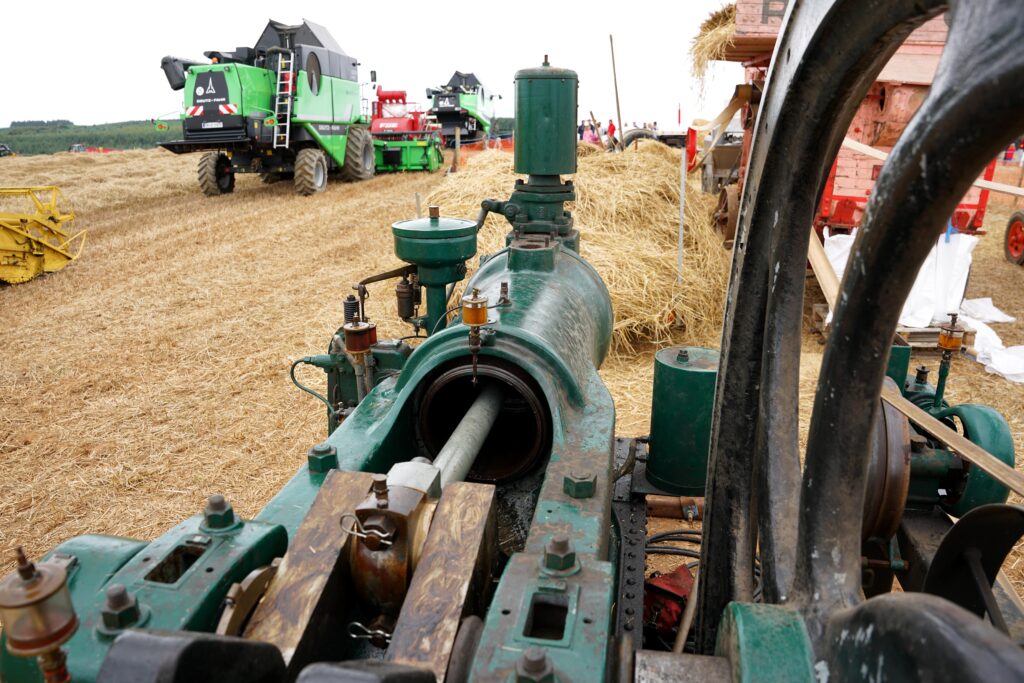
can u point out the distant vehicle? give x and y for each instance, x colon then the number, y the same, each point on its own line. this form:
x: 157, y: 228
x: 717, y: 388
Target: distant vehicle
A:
x: 77, y: 147
x: 287, y: 108
x: 6, y: 151
x: 464, y: 104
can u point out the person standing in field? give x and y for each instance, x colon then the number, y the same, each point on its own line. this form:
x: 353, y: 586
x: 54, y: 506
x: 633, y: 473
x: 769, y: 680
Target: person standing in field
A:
x: 579, y: 131
x: 612, y: 142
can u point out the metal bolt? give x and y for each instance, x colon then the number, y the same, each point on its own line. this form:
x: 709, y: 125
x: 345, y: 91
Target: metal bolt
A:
x: 922, y: 374
x: 558, y: 554
x: 218, y: 513
x: 380, y: 489
x: 121, y: 609
x: 434, y: 211
x: 534, y: 666
x: 683, y: 356
x: 322, y: 457
x: 579, y: 484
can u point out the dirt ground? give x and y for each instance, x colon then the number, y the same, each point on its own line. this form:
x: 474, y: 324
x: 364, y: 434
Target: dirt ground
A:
x: 154, y: 371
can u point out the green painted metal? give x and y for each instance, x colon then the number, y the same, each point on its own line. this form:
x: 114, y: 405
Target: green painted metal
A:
x: 211, y: 561
x: 899, y: 363
x: 765, y: 643
x: 988, y: 429
x: 413, y: 155
x: 684, y: 394
x: 439, y: 248
x: 579, y: 652
x: 545, y: 129
x: 332, y: 143
x: 477, y: 106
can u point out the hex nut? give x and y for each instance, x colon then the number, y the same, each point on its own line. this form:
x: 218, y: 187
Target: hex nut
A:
x: 534, y: 666
x: 322, y: 457
x: 121, y: 609
x: 559, y: 554
x: 579, y: 484
x: 218, y: 513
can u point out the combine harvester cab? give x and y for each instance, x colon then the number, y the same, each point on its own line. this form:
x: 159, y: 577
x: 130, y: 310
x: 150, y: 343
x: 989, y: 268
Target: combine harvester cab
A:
x: 33, y: 234
x: 405, y: 138
x: 463, y: 104
x: 288, y: 108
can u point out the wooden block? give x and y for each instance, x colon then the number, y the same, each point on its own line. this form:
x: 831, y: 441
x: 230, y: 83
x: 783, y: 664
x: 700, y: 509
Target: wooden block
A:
x: 450, y: 580
x: 302, y: 603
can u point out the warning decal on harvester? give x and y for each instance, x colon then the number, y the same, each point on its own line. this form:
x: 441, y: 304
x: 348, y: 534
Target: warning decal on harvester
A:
x: 211, y: 89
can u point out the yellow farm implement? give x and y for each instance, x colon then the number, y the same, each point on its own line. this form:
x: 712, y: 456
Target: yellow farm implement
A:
x: 33, y: 236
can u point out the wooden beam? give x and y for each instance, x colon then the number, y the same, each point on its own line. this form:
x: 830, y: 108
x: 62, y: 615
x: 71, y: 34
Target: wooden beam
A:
x: 451, y: 579
x: 823, y: 271
x: 304, y: 604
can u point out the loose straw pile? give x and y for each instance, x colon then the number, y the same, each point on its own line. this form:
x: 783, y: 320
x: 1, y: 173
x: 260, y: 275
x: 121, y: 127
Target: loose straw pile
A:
x: 627, y: 211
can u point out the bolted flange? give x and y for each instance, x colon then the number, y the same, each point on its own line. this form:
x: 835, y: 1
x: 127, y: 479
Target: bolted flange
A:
x: 218, y: 513
x: 121, y: 609
x: 579, y: 484
x: 534, y: 666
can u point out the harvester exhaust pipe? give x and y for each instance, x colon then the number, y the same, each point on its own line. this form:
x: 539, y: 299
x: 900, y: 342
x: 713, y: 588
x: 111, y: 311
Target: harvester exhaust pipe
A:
x: 460, y: 451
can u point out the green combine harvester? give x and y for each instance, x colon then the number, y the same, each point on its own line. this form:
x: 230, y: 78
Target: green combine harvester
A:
x: 288, y: 108
x: 463, y: 104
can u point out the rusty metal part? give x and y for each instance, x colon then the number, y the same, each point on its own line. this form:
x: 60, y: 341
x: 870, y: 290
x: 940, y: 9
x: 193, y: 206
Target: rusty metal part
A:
x: 243, y: 597
x: 888, y: 473
x: 464, y: 650
x: 381, y: 572
x: 35, y: 607
x: 727, y: 213
x: 359, y: 336
x: 675, y: 507
x: 299, y: 615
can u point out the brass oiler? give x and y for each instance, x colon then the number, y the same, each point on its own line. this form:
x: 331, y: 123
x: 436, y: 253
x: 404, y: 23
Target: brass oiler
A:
x: 474, y: 314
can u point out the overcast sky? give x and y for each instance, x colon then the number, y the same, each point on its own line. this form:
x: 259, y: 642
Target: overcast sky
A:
x: 97, y: 62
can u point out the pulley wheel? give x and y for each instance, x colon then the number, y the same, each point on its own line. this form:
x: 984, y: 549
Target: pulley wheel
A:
x: 727, y: 213
x: 888, y: 473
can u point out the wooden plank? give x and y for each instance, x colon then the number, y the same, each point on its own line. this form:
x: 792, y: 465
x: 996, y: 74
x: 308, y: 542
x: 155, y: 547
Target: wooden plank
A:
x: 452, y: 575
x: 869, y: 151
x: 955, y: 442
x: 302, y: 604
x: 823, y: 271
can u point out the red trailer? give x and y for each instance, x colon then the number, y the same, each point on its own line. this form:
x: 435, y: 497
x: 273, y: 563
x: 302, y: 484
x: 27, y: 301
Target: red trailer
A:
x: 882, y: 117
x: 405, y: 138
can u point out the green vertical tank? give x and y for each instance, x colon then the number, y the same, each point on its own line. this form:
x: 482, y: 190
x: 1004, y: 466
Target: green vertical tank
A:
x: 546, y: 121
x: 684, y: 398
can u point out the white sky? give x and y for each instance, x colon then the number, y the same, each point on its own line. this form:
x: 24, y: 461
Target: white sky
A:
x: 98, y: 62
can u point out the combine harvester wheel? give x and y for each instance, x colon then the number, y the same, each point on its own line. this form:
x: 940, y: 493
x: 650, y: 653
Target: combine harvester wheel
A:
x: 359, y: 156
x: 310, y: 171
x: 215, y: 174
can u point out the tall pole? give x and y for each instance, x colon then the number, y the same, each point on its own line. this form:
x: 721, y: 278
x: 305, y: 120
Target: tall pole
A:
x: 615, y: 79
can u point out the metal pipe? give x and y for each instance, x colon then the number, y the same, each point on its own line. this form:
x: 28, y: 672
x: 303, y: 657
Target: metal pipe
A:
x: 459, y: 453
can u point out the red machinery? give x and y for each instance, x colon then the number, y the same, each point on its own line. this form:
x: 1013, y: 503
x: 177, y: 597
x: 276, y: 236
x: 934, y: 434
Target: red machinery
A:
x: 884, y: 113
x: 405, y: 138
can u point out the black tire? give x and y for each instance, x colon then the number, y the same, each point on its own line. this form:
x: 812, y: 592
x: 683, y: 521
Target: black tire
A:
x: 215, y: 174
x: 1013, y: 241
x: 634, y: 134
x: 360, y: 161
x: 310, y: 171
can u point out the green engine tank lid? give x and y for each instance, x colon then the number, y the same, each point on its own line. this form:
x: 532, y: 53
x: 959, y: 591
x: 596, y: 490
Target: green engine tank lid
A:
x: 546, y: 71
x: 691, y: 358
x: 433, y: 228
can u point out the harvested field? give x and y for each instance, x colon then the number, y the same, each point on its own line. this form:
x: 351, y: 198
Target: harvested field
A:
x: 153, y: 372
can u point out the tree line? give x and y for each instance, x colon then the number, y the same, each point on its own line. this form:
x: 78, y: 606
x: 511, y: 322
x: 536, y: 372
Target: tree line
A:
x: 47, y: 137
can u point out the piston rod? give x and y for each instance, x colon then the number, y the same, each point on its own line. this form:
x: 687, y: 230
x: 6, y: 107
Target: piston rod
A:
x: 462, y: 447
